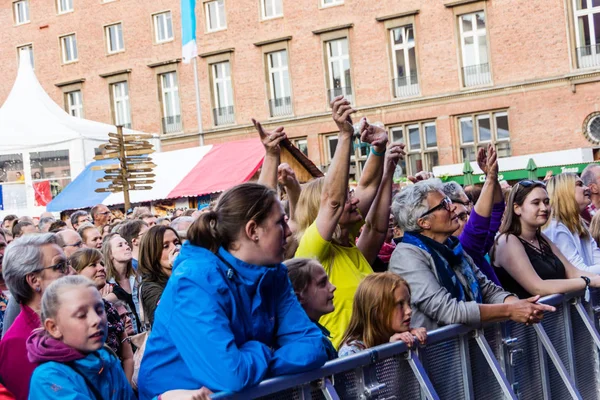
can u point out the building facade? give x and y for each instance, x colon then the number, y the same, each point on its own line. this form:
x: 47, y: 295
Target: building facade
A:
x: 443, y: 76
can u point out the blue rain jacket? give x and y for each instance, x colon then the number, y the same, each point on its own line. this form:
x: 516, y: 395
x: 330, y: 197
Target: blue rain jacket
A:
x: 55, y: 381
x: 226, y: 328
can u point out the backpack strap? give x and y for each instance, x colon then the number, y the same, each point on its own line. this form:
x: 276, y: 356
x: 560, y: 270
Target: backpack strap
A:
x: 88, y: 383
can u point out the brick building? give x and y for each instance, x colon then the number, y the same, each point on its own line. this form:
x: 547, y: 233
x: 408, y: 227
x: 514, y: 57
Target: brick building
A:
x: 444, y: 76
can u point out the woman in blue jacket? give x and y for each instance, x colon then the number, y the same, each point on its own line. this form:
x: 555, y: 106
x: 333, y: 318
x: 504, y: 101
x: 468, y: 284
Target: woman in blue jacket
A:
x: 228, y: 317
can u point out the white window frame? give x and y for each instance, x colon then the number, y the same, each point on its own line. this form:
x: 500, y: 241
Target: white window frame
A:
x: 74, y: 108
x: 29, y: 48
x: 278, y: 73
x: 475, y: 33
x: 273, y: 3
x: 68, y: 44
x: 299, y: 141
x: 331, y: 3
x: 424, y: 151
x: 64, y: 6
x: 593, y: 58
x: 169, y: 88
x: 219, y: 8
x: 167, y: 19
x: 477, y: 143
x: 410, y: 89
x: 363, y: 154
x: 225, y: 80
x: 121, y: 99
x: 118, y: 35
x: 21, y: 12
x: 340, y: 61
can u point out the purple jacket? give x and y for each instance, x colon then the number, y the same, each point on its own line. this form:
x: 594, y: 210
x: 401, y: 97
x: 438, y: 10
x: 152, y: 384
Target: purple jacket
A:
x: 478, y: 237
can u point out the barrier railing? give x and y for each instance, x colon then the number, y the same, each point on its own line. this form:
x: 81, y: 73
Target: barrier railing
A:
x: 557, y: 359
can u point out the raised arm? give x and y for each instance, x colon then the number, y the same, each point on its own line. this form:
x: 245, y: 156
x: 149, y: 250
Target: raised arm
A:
x: 335, y: 187
x: 287, y: 178
x: 370, y: 179
x: 488, y: 163
x: 377, y: 222
x: 271, y: 141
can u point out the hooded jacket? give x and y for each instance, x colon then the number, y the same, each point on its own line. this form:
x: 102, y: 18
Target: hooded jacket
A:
x: 54, y: 379
x: 226, y: 327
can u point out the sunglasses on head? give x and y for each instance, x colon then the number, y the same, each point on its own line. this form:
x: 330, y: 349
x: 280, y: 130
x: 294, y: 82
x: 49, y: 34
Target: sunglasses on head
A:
x: 529, y: 183
x: 445, y: 204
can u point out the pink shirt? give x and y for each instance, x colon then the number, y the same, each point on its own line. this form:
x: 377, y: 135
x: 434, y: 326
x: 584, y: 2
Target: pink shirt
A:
x: 15, y: 368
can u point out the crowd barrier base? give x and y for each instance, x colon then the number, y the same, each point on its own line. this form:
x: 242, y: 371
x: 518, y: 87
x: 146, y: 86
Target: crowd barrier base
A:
x: 557, y: 359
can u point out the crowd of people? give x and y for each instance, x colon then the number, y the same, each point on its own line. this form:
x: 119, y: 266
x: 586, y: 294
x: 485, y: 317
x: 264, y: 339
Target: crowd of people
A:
x: 277, y: 277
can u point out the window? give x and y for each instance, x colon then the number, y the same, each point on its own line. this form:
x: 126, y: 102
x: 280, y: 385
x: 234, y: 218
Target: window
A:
x: 64, y: 6
x: 421, y: 147
x: 338, y: 64
x: 405, y: 82
x: 114, y: 38
x: 12, y: 181
x: 479, y: 130
x: 473, y: 37
x: 587, y: 33
x: 358, y: 157
x: 28, y: 48
x: 50, y: 172
x: 121, y: 109
x: 215, y: 15
x: 327, y: 3
x: 21, y: 11
x: 171, y: 121
x: 302, y: 145
x: 163, y: 27
x: 280, y: 101
x: 222, y: 93
x: 271, y: 8
x: 68, y: 45
x: 74, y: 103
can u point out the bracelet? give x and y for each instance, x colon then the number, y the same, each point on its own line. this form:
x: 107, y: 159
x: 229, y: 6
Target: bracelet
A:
x: 127, y: 339
x: 378, y: 154
x: 587, y: 287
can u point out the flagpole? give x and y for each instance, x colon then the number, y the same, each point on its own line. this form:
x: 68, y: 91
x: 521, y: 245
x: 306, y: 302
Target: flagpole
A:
x: 198, y: 113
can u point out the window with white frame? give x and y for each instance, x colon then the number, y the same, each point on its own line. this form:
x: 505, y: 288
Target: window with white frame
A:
x: 114, y: 38
x: 475, y: 59
x: 28, y: 48
x: 358, y: 155
x: 75, y: 103
x: 163, y: 27
x: 68, y: 46
x: 406, y: 82
x: 327, y: 3
x: 280, y: 101
x: 587, y: 32
x: 421, y: 146
x: 302, y: 145
x: 64, y: 6
x: 215, y: 15
x: 222, y: 93
x: 21, y: 11
x: 50, y: 173
x: 121, y: 108
x: 171, y: 108
x: 271, y: 8
x: 338, y: 65
x: 479, y: 130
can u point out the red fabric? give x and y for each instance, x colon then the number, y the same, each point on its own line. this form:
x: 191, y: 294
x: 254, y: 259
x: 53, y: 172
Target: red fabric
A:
x: 225, y: 166
x: 43, y: 195
x: 5, y: 394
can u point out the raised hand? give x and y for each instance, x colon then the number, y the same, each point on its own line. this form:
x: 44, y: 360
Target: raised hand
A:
x: 393, y: 155
x: 271, y: 140
x: 487, y: 160
x: 286, y: 175
x: 341, y: 111
x: 372, y: 134
x: 420, y: 176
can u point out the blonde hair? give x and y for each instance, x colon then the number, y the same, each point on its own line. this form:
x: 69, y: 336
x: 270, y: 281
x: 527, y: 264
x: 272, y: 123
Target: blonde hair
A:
x: 308, y: 207
x: 51, y: 298
x: 595, y: 227
x: 564, y: 207
x: 373, y: 309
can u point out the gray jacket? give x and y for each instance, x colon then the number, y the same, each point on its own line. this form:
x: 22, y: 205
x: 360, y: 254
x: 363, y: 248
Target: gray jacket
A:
x: 432, y: 305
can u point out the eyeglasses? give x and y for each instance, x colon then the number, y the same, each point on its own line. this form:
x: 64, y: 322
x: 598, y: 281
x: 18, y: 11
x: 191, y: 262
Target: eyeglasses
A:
x: 77, y: 244
x: 528, y: 183
x: 62, y: 266
x: 467, y: 203
x: 445, y: 204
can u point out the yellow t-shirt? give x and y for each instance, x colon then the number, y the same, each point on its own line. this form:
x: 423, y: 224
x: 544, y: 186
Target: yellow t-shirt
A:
x: 346, y: 267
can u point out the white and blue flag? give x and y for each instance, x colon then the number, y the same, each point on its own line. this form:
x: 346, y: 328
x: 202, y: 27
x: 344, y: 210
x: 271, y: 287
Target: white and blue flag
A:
x: 188, y: 30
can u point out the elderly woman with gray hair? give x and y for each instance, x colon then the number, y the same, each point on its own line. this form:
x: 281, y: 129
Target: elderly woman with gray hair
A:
x: 31, y: 263
x: 446, y: 286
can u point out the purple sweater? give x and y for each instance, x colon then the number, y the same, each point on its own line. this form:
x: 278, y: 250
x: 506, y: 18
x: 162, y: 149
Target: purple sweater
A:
x: 478, y: 237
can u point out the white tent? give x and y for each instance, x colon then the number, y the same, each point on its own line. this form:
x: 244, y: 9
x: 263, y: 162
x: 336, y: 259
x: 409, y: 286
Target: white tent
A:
x: 41, y: 144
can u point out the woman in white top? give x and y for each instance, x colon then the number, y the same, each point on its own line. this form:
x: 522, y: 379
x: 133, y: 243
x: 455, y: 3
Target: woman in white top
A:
x: 565, y: 228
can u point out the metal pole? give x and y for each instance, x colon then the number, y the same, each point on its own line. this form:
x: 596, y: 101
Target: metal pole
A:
x: 198, y: 113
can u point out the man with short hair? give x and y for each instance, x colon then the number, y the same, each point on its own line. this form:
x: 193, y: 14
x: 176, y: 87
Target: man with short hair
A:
x: 70, y: 241
x: 100, y: 216
x: 23, y: 228
x: 591, y: 178
x: 79, y: 218
x: 44, y: 224
x: 149, y: 219
x: 91, y: 236
x: 9, y: 221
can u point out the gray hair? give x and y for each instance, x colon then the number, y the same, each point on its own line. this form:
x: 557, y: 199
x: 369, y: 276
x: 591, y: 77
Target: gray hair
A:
x: 588, y: 176
x: 453, y: 190
x: 75, y: 216
x: 179, y: 220
x: 411, y: 203
x: 51, y: 300
x: 44, y: 221
x: 24, y: 256
x: 85, y: 227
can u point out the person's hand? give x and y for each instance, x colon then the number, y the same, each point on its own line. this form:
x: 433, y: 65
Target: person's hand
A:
x: 527, y: 311
x: 393, y: 154
x: 286, y: 175
x: 374, y: 135
x: 271, y: 140
x: 487, y: 160
x: 106, y: 290
x: 420, y: 176
x: 420, y: 333
x: 173, y: 254
x: 549, y: 174
x: 200, y: 394
x: 340, y: 111
x: 406, y: 337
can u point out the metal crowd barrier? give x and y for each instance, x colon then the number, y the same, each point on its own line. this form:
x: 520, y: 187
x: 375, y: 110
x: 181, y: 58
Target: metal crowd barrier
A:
x: 557, y: 359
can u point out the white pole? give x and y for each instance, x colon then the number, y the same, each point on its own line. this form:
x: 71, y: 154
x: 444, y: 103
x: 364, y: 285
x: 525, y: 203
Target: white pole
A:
x: 198, y: 113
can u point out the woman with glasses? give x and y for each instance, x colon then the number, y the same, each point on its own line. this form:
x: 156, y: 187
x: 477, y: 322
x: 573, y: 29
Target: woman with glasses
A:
x: 479, y: 225
x: 31, y: 263
x: 446, y: 286
x: 569, y: 197
x: 527, y: 262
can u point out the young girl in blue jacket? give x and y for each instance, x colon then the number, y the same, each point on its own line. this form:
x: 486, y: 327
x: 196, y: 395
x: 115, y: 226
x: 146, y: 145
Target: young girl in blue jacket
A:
x: 73, y: 364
